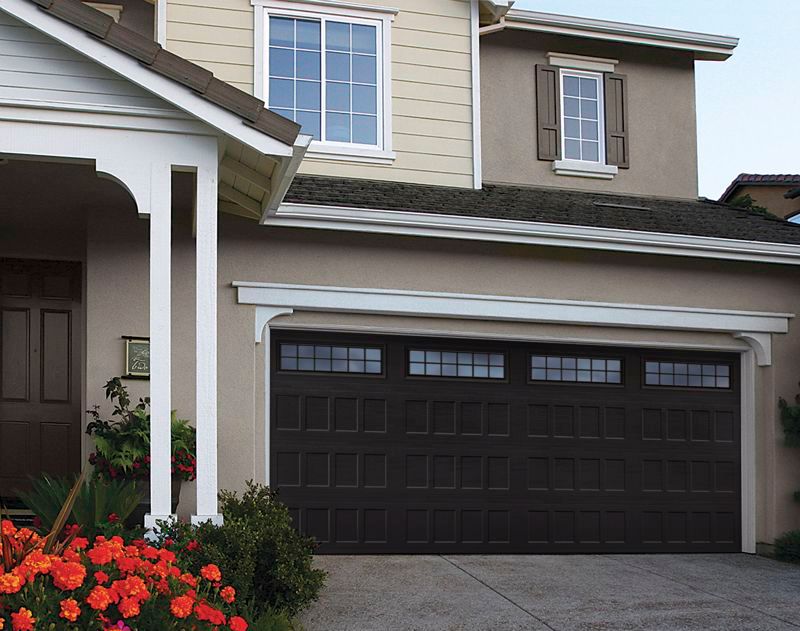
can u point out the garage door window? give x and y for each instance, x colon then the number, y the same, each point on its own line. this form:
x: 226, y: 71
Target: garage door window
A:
x: 687, y: 375
x: 576, y: 369
x: 470, y: 365
x: 335, y: 359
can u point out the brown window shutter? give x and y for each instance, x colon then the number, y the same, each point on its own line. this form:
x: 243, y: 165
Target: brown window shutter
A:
x: 617, y: 142
x: 548, y: 112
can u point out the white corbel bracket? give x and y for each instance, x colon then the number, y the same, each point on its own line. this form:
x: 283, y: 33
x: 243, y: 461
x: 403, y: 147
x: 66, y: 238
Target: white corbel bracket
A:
x: 761, y: 343
x: 264, y: 315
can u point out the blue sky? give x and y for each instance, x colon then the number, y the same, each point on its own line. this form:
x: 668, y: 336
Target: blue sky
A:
x: 748, y: 107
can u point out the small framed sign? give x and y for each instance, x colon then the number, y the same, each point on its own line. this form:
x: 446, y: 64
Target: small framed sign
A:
x: 137, y: 357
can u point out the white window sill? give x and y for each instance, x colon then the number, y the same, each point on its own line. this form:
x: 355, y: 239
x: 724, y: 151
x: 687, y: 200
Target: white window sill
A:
x: 579, y: 168
x: 324, y: 151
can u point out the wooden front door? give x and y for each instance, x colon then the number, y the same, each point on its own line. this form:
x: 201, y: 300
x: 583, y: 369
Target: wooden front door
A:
x: 40, y: 371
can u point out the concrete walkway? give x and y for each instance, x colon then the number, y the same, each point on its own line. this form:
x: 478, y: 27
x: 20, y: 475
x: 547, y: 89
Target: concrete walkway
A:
x: 560, y: 593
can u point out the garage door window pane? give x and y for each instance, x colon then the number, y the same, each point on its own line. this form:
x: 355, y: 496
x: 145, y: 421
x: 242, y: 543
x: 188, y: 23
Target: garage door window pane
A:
x: 335, y: 359
x: 575, y: 369
x: 686, y: 375
x: 468, y: 365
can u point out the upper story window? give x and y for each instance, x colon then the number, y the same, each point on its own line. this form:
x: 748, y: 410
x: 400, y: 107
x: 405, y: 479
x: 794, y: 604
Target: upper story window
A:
x: 327, y: 68
x: 582, y: 116
x: 582, y: 124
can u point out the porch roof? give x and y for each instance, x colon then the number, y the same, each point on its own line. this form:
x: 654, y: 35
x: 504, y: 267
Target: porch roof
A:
x: 251, y: 110
x: 259, y: 150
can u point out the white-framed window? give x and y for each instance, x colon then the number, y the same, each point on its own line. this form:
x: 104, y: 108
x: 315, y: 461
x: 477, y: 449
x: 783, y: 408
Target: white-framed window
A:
x: 582, y: 116
x: 327, y: 67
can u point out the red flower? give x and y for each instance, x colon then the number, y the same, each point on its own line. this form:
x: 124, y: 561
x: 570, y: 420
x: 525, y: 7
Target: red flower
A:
x: 228, y: 594
x: 67, y: 576
x: 181, y: 607
x: 237, y: 624
x: 69, y: 610
x: 211, y: 572
x: 206, y: 612
x: 193, y: 545
x: 100, y: 598
x: 113, y: 518
x: 23, y: 620
x: 101, y: 577
x: 129, y: 607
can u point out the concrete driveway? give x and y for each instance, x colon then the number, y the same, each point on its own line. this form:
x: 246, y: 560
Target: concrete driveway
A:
x: 681, y: 592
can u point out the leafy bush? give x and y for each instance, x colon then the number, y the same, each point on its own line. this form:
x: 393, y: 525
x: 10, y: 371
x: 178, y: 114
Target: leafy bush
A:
x: 273, y: 620
x: 100, y: 507
x: 122, y: 443
x: 787, y: 546
x: 66, y: 582
x: 267, y: 560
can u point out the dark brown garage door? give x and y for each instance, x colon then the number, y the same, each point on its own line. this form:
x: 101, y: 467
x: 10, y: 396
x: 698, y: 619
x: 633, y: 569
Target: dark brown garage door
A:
x: 419, y: 445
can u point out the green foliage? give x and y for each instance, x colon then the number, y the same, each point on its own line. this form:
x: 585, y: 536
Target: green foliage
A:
x: 748, y: 203
x: 122, y: 443
x: 272, y: 620
x: 790, y: 419
x: 787, y: 546
x: 95, y: 502
x: 257, y: 548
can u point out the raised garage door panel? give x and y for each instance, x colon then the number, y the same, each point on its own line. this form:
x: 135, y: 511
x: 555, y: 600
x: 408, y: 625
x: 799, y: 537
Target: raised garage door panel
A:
x: 388, y: 462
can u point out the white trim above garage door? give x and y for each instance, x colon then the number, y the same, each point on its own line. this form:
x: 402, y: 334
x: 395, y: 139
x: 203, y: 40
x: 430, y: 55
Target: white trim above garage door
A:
x: 755, y: 328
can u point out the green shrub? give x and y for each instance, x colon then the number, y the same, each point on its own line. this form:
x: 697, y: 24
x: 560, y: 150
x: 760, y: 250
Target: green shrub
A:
x: 787, y: 546
x: 258, y: 550
x: 101, y: 507
x: 272, y: 620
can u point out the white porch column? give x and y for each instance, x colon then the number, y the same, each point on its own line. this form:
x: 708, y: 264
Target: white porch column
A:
x: 206, y: 346
x: 160, y: 344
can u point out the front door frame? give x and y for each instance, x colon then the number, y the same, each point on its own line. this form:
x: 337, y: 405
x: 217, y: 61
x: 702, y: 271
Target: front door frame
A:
x: 755, y: 329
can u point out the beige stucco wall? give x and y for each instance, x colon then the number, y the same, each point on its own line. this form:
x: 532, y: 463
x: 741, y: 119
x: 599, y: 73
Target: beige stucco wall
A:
x: 771, y: 197
x: 250, y: 252
x: 431, y: 85
x: 114, y: 246
x: 661, y: 97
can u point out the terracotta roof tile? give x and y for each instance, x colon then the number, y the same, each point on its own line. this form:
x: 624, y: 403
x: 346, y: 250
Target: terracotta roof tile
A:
x: 758, y: 179
x: 189, y: 74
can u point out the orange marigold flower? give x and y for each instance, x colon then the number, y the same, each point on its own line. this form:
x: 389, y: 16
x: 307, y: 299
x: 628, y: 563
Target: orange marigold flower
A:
x: 79, y: 543
x: 211, y: 572
x: 37, y: 562
x: 181, y: 606
x: 228, y: 594
x: 2, y: 623
x: 101, y: 577
x: 206, y: 612
x: 166, y: 555
x: 237, y: 623
x: 67, y: 576
x: 71, y: 555
x: 149, y: 552
x: 22, y: 620
x: 10, y: 583
x: 129, y: 607
x: 190, y: 580
x: 132, y: 587
x: 99, y: 598
x: 128, y: 565
x: 70, y: 610
x: 100, y: 554
x: 8, y: 528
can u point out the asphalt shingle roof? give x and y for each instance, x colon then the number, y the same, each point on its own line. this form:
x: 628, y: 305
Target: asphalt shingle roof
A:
x: 549, y: 205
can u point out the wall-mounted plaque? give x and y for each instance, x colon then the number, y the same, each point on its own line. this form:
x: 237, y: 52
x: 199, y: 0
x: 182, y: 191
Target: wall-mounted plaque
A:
x: 137, y: 357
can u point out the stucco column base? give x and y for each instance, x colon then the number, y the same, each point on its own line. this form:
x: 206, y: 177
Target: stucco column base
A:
x: 217, y: 520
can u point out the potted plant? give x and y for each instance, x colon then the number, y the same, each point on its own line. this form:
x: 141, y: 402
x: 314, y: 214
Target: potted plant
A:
x: 122, y: 446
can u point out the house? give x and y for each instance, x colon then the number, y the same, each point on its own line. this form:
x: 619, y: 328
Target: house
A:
x: 780, y: 194
x: 469, y: 301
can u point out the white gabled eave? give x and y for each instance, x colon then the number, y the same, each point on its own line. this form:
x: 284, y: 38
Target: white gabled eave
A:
x: 705, y: 46
x: 131, y: 69
x: 465, y: 227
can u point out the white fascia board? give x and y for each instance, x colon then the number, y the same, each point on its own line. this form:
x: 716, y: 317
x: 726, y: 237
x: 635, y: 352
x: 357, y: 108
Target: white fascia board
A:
x: 132, y: 70
x: 705, y: 46
x: 530, y: 233
x: 506, y: 308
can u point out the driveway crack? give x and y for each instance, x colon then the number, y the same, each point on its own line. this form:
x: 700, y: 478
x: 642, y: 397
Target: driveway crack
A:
x: 503, y: 596
x: 704, y: 591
